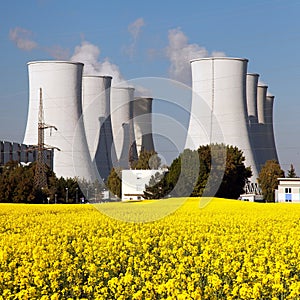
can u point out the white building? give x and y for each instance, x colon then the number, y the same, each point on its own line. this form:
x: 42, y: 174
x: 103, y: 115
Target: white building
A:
x: 288, y: 190
x: 252, y: 197
x: 134, y: 183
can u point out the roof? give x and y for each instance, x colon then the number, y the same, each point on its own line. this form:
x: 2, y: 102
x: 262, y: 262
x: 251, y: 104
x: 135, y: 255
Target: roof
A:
x: 289, y: 179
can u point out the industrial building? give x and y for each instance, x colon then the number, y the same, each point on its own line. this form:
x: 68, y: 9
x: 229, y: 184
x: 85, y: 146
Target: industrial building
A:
x: 22, y: 153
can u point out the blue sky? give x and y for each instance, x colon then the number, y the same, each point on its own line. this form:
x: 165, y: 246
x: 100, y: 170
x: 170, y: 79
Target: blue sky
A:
x: 136, y: 38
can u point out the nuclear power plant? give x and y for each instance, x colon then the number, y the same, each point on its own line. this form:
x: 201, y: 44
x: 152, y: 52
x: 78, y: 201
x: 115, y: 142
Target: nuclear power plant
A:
x: 100, y: 126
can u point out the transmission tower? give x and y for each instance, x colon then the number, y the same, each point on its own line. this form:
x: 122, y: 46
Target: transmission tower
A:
x: 40, y: 177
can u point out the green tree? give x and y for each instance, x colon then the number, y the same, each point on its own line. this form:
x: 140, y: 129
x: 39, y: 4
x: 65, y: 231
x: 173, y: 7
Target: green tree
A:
x: 17, y: 186
x: 147, y: 160
x: 114, y: 181
x: 292, y: 172
x: 24, y: 190
x: 156, y: 188
x: 180, y: 179
x: 8, y: 181
x: 268, y: 179
x: 204, y: 154
x: 235, y: 176
x: 212, y: 170
x: 183, y: 174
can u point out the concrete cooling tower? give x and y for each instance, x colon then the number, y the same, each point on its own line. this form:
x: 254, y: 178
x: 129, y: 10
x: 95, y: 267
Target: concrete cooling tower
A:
x: 61, y: 83
x: 221, y: 84
x: 261, y: 102
x: 267, y: 147
x: 269, y: 125
x: 97, y: 121
x: 251, y: 96
x: 122, y: 127
x: 142, y: 123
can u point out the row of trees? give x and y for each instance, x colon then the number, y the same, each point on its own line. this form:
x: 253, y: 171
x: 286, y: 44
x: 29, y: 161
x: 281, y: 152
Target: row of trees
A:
x: 199, y: 173
x: 215, y: 170
x: 17, y: 186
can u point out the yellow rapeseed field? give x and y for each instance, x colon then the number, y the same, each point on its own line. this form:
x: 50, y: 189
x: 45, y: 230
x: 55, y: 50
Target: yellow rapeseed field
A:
x: 227, y: 250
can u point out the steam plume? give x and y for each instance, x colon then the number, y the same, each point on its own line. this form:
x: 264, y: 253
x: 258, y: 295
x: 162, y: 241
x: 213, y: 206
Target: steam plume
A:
x: 22, y: 38
x: 180, y: 52
x: 88, y: 54
x: 58, y: 52
x: 134, y: 30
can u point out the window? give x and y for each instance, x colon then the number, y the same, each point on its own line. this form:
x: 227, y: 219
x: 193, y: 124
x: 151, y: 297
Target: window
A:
x: 288, y: 194
x: 288, y: 190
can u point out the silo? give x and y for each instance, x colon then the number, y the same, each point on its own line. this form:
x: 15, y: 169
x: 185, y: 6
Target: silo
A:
x: 221, y: 83
x: 142, y: 123
x: 97, y: 121
x: 60, y: 83
x: 122, y: 127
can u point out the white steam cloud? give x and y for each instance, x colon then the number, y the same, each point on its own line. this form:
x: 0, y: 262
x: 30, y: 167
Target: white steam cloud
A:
x: 88, y: 54
x: 180, y: 52
x: 134, y: 30
x: 22, y: 38
x: 58, y: 52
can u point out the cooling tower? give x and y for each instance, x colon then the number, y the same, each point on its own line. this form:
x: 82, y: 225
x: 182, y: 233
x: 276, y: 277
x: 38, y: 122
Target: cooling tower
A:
x: 221, y: 83
x: 122, y: 127
x: 251, y: 96
x: 61, y: 83
x: 261, y: 102
x: 270, y: 128
x: 263, y: 148
x: 142, y: 123
x: 267, y: 146
x: 97, y: 121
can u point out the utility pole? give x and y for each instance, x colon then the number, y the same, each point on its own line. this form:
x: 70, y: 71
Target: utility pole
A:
x: 40, y: 177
